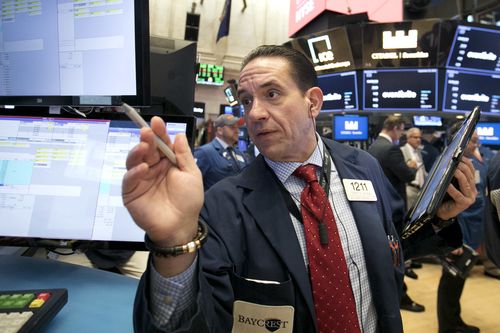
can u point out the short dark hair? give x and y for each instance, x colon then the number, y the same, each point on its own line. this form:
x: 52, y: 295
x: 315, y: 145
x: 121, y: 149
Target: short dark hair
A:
x: 301, y: 69
x: 391, y: 122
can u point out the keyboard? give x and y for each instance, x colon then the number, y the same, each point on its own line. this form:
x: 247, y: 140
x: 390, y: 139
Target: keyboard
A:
x: 25, y: 311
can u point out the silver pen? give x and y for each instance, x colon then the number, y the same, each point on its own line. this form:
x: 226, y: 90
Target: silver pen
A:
x: 140, y: 122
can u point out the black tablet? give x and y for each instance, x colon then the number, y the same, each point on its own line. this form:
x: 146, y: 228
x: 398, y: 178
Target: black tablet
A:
x: 440, y: 176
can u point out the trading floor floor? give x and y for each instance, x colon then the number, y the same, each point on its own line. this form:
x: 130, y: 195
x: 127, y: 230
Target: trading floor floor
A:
x: 480, y: 301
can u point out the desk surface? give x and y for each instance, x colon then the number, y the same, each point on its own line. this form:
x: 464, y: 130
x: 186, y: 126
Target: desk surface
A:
x: 98, y: 301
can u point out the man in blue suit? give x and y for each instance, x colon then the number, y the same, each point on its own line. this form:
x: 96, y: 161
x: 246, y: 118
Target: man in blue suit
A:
x: 252, y: 274
x: 220, y: 158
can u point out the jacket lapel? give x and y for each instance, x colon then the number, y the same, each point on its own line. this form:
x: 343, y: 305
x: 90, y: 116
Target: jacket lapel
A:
x: 270, y: 212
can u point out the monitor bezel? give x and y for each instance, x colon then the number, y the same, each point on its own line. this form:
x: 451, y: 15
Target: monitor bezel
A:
x: 88, y: 244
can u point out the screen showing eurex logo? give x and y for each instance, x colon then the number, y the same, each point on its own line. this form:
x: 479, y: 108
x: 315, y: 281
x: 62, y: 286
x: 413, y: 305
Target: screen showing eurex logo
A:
x: 488, y: 133
x: 475, y: 48
x: 465, y: 90
x: 340, y: 91
x: 403, y: 44
x: 350, y: 128
x: 400, y: 89
x: 329, y: 52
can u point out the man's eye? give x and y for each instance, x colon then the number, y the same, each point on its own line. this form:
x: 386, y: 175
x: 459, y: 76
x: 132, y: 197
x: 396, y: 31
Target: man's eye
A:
x: 246, y: 101
x: 272, y: 94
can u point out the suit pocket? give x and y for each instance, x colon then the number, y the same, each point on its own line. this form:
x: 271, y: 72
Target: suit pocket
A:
x: 262, y: 291
x: 262, y: 306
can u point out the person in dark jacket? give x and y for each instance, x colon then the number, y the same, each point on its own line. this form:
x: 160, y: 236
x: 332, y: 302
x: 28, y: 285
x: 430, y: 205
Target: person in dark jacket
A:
x: 237, y: 258
x: 220, y: 158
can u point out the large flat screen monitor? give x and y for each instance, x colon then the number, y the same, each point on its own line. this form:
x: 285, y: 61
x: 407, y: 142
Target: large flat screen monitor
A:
x: 350, y: 128
x: 465, y: 90
x: 74, y: 53
x: 61, y: 180
x: 488, y: 133
x: 340, y: 91
x: 475, y: 48
x: 400, y: 89
x: 401, y: 44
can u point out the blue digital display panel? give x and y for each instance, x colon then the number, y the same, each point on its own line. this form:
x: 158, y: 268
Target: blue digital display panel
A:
x: 488, y: 133
x: 400, y: 89
x: 465, y: 90
x: 350, y: 128
x: 475, y: 48
x: 340, y: 92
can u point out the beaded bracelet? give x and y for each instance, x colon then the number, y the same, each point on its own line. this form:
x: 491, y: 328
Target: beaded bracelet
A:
x: 192, y: 246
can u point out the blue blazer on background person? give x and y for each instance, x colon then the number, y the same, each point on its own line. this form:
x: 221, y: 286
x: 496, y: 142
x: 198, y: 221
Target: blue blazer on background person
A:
x: 253, y: 237
x: 215, y: 162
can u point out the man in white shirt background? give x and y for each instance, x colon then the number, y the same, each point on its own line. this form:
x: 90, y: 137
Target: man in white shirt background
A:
x: 412, y: 152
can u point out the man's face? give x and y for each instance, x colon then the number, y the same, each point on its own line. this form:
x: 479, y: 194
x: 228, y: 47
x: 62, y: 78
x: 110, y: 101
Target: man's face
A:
x: 399, y: 130
x: 229, y: 134
x: 415, y: 139
x: 279, y: 117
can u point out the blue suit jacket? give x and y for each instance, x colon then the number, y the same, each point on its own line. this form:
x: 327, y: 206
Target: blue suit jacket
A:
x: 251, y: 236
x: 215, y: 163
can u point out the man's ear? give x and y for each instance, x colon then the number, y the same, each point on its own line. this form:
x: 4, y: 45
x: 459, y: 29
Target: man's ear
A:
x: 315, y: 97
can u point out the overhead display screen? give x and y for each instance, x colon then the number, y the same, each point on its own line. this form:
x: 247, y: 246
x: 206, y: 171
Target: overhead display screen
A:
x: 400, y: 89
x: 427, y: 121
x: 402, y: 44
x: 350, y: 128
x: 329, y: 51
x: 488, y: 133
x: 340, y: 92
x: 465, y: 90
x: 210, y: 74
x: 475, y: 48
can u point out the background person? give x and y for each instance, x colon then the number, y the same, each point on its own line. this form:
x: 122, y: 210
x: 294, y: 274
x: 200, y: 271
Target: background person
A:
x: 412, y: 151
x: 221, y: 158
x: 471, y: 222
x: 399, y: 172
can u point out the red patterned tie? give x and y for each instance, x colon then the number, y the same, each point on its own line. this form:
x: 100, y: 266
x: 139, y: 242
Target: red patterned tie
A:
x: 331, y: 286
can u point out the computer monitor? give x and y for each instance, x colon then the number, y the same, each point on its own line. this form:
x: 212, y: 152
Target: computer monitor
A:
x: 61, y: 180
x: 210, y: 74
x: 340, y: 91
x: 465, y: 90
x: 350, y: 128
x: 475, y: 48
x: 488, y: 133
x: 173, y: 74
x: 74, y: 53
x: 400, y: 90
x: 434, y: 121
x: 401, y: 44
